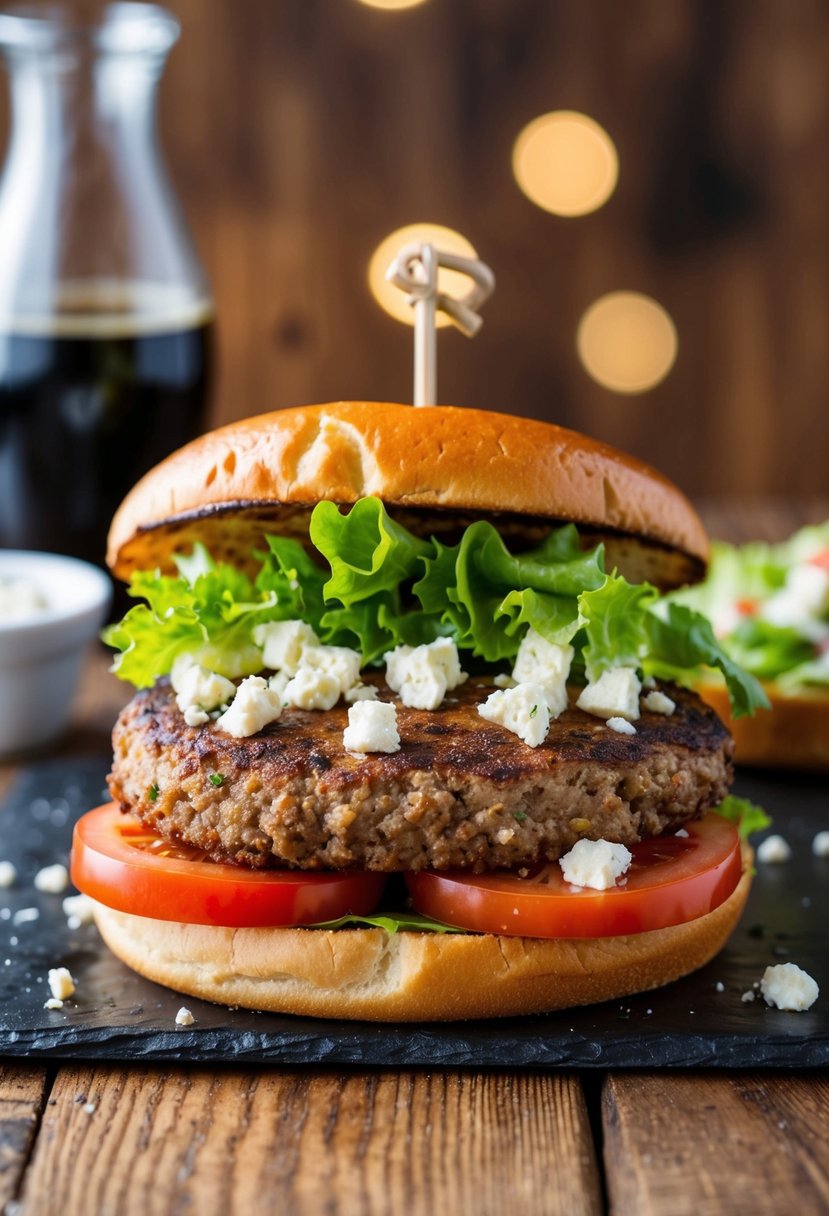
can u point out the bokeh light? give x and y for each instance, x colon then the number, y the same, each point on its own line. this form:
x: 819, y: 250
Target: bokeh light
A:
x: 627, y: 342
x: 390, y: 4
x: 391, y: 298
x: 565, y: 163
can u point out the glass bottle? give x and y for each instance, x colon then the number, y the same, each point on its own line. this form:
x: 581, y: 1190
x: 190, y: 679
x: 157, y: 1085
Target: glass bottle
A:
x: 105, y: 312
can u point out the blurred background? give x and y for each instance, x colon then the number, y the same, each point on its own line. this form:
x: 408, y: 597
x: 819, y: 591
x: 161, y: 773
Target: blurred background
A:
x: 690, y: 167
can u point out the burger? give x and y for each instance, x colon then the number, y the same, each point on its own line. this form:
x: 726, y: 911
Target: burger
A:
x: 411, y: 739
x: 769, y: 607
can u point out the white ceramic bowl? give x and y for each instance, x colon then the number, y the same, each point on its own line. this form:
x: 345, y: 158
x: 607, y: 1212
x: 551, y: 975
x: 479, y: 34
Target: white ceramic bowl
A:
x: 41, y: 654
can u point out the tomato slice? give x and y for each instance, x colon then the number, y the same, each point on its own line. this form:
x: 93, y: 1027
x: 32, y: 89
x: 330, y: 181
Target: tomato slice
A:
x: 119, y: 862
x: 671, y: 880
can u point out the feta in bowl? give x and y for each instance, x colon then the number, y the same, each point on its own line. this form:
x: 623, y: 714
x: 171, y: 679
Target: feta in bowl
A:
x: 51, y: 607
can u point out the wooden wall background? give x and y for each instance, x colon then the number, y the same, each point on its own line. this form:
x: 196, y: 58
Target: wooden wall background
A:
x: 300, y: 132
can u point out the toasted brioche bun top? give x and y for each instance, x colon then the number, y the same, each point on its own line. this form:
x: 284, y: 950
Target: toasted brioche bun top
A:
x: 435, y: 468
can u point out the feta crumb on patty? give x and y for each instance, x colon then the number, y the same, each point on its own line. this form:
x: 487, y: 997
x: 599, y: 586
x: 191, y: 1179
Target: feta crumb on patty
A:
x: 61, y: 984
x: 541, y: 662
x: 52, y: 879
x: 312, y: 689
x: 372, y: 727
x: 198, y: 688
x: 820, y: 844
x: 361, y: 692
x: 254, y: 706
x: 522, y: 709
x: 422, y: 675
x: 788, y: 986
x: 659, y: 703
x: 621, y: 726
x: 595, y: 863
x: 614, y: 695
x: 184, y: 1017
x: 283, y: 642
x: 8, y: 874
x: 773, y: 849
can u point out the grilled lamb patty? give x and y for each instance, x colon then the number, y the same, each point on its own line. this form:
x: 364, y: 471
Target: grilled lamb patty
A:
x: 460, y: 792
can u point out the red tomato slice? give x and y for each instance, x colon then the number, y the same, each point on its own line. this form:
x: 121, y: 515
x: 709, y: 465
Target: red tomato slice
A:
x: 671, y: 880
x: 122, y: 864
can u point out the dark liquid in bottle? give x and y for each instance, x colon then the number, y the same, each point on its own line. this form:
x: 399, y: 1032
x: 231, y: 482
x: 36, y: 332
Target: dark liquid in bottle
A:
x: 88, y: 403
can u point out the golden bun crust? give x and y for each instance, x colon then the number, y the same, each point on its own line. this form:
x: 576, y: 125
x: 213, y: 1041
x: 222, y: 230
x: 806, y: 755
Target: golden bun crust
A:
x: 265, y: 473
x: 794, y: 734
x: 411, y: 977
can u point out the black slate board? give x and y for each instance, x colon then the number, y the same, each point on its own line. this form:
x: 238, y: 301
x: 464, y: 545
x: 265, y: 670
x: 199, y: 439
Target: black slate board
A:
x: 116, y: 1015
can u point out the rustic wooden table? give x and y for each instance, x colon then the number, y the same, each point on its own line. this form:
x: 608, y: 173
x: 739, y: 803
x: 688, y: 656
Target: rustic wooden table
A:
x: 101, y: 1139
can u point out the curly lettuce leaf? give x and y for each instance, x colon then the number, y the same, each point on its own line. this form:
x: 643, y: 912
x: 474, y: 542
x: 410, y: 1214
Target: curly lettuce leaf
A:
x: 615, y: 624
x: 209, y: 610
x: 683, y: 640
x: 367, y: 551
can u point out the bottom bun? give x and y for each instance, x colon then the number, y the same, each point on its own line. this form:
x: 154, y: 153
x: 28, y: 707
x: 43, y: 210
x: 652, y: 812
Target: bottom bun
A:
x: 794, y: 734
x: 371, y: 975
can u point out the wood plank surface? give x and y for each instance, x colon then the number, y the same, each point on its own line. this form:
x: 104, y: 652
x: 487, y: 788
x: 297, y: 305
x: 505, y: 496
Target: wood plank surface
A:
x: 23, y: 1090
x: 716, y: 1146
x: 132, y: 1141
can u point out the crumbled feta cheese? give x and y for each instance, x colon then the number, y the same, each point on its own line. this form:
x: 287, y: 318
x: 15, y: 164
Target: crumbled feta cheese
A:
x: 53, y: 1003
x: 372, y: 727
x: 748, y: 996
x: 788, y: 987
x: 361, y: 692
x: 283, y: 642
x: 541, y: 662
x: 23, y: 915
x: 184, y: 1017
x: 621, y: 726
x: 253, y: 707
x: 719, y: 986
x: 659, y: 703
x: 8, y: 874
x: 773, y: 849
x: 502, y: 680
x: 194, y: 716
x: 682, y: 833
x: 649, y: 682
x: 337, y: 661
x: 820, y: 844
x: 522, y: 709
x: 199, y: 688
x: 614, y: 695
x: 595, y: 863
x: 20, y: 598
x: 81, y: 907
x: 52, y: 879
x: 422, y: 675
x: 312, y: 689
x: 61, y: 984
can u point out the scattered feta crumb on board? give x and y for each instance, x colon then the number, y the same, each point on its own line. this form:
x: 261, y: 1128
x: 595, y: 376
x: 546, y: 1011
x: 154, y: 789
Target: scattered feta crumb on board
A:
x: 61, y: 984
x: 595, y: 863
x: 820, y: 844
x: 53, y: 1003
x: 8, y: 874
x: 79, y: 907
x: 52, y: 879
x: 773, y: 849
x: 787, y: 986
x: 184, y: 1017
